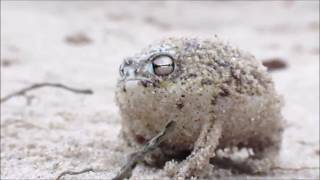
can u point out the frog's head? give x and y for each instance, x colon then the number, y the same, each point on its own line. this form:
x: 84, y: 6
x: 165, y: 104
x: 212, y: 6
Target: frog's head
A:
x: 168, y: 80
x: 150, y: 72
x: 152, y: 69
x: 162, y: 66
x: 168, y: 69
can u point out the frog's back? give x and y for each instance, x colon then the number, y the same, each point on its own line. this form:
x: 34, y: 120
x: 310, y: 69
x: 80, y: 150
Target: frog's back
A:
x: 243, y: 93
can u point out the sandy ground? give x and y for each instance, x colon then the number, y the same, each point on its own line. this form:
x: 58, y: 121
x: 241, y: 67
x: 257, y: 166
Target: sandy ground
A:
x: 81, y: 44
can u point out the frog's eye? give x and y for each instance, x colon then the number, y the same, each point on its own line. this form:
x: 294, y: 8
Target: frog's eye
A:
x: 163, y: 65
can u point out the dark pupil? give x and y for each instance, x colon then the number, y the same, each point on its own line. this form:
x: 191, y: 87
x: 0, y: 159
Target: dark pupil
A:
x: 163, y: 69
x: 157, y: 66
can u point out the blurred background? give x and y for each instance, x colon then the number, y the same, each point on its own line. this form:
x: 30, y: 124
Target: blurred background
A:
x: 82, y: 43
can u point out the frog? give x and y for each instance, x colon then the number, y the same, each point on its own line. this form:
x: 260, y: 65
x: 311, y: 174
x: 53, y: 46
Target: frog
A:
x: 218, y: 95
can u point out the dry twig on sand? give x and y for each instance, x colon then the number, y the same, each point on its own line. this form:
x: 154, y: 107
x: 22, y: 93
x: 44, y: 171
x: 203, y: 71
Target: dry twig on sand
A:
x: 135, y: 158
x: 23, y: 91
x: 74, y: 172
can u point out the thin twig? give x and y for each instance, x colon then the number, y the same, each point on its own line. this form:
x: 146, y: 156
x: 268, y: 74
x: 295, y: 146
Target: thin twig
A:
x: 74, y: 172
x: 126, y: 170
x: 40, y: 85
x: 134, y: 158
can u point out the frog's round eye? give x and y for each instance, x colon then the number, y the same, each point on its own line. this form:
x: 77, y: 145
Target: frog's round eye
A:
x: 163, y: 65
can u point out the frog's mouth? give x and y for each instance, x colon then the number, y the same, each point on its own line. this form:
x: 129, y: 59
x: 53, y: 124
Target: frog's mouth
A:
x: 136, y: 82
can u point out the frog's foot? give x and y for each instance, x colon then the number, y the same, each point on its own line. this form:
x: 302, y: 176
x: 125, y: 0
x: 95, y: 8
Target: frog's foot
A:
x: 264, y: 158
x: 250, y: 166
x: 261, y: 162
x: 198, y: 162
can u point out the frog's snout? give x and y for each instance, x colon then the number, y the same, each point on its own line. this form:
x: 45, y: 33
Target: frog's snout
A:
x: 128, y: 69
x: 131, y: 75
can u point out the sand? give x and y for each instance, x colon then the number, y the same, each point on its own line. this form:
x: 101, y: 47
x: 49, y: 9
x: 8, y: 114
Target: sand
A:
x: 81, y: 44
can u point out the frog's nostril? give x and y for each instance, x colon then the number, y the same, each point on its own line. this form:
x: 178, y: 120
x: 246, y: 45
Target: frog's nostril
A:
x: 128, y: 62
x: 121, y: 70
x: 127, y: 70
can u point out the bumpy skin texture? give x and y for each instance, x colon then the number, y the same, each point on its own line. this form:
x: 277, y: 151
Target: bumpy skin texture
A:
x: 218, y: 95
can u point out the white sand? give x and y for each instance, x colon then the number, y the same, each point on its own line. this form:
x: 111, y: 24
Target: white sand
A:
x: 60, y: 130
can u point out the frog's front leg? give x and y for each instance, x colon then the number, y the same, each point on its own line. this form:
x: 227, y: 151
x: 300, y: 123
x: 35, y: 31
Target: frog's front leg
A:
x: 198, y: 162
x: 264, y: 158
